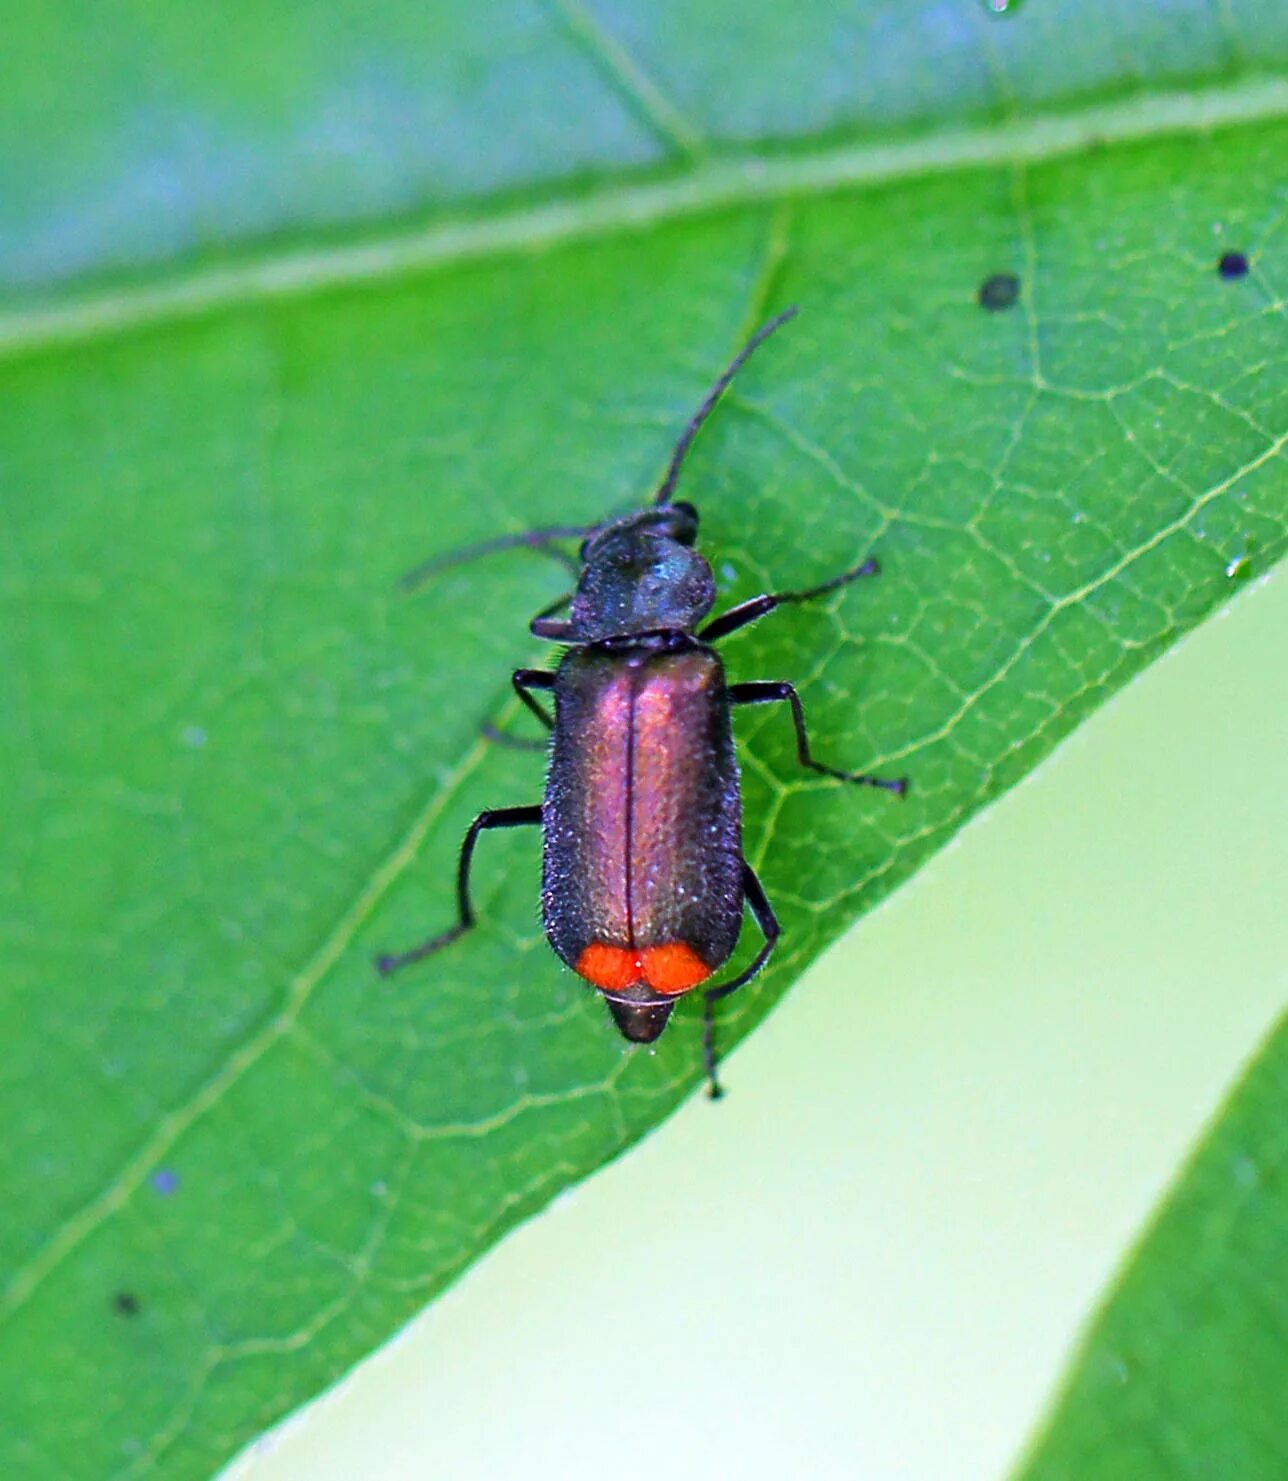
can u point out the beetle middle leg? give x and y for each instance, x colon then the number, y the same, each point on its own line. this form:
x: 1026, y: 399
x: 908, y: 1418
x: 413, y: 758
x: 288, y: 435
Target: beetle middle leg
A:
x: 496, y: 817
x: 525, y: 681
x: 755, y: 896
x: 767, y: 691
x: 758, y: 607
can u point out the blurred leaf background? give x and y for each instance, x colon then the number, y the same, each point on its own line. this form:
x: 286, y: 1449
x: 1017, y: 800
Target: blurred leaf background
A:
x: 296, y: 296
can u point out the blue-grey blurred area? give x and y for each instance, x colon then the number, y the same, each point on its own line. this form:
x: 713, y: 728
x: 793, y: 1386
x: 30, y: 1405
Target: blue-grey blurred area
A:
x: 139, y: 133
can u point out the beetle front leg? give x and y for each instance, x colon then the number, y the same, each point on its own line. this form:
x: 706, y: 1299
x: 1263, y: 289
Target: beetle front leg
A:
x: 546, y: 625
x: 497, y: 817
x: 755, y: 896
x: 765, y: 691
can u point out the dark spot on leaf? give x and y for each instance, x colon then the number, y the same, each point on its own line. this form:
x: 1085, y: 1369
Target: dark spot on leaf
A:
x: 165, y: 1180
x: 1233, y: 265
x: 999, y: 292
x: 125, y: 1303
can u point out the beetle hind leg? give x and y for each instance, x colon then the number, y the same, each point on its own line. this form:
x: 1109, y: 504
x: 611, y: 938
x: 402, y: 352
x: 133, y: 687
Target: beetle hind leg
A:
x: 754, y: 894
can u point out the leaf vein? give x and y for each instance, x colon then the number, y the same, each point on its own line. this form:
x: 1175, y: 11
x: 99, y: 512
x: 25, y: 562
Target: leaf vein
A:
x: 91, y: 1215
x: 640, y: 93
x: 714, y: 183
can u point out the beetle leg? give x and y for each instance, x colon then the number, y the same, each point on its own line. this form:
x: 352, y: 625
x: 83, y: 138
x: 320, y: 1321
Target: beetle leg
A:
x: 541, y: 540
x: 546, y: 625
x: 496, y: 817
x: 766, y: 691
x: 754, y: 894
x: 500, y: 737
x: 757, y: 607
x: 524, y: 681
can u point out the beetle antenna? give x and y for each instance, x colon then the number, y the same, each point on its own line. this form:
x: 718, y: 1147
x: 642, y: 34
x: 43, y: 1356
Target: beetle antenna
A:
x: 704, y: 411
x: 542, y: 540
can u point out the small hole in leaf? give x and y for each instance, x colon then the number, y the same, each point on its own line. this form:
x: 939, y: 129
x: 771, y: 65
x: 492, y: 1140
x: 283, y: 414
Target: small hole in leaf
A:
x: 125, y: 1303
x: 1233, y: 265
x: 999, y: 292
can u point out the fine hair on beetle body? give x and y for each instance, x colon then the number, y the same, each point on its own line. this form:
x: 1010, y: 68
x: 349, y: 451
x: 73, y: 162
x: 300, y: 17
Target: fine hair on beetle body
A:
x: 644, y: 883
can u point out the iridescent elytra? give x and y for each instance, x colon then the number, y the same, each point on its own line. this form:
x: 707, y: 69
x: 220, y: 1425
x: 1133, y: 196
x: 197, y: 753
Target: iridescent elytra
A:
x: 645, y: 882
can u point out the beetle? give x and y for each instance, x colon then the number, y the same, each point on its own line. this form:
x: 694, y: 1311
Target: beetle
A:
x: 644, y: 880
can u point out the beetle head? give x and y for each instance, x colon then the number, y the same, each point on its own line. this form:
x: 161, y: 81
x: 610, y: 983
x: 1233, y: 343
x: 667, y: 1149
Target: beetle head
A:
x: 641, y: 574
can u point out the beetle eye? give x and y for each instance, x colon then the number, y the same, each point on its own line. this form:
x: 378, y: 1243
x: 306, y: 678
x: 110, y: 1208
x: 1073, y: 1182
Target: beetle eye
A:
x: 685, y: 529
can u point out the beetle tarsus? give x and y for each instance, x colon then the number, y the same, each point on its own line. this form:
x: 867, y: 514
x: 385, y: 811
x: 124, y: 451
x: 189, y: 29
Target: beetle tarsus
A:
x: 770, y: 691
x: 394, y: 961
x: 715, y: 1091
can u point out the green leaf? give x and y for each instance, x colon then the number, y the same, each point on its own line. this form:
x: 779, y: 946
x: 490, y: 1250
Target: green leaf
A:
x: 239, y: 763
x: 1183, y: 1373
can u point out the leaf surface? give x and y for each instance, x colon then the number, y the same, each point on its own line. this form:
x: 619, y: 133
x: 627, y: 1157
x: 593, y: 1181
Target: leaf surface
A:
x: 239, y: 763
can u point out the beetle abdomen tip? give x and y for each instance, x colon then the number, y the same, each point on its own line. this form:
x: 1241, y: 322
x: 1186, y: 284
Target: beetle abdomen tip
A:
x: 641, y: 1023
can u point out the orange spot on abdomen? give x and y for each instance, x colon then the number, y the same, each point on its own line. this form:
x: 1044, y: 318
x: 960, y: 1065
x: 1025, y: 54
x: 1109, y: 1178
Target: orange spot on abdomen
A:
x: 672, y: 969
x: 609, y: 967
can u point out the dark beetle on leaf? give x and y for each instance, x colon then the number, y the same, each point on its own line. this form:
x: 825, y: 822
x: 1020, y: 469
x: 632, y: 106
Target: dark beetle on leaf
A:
x: 644, y: 880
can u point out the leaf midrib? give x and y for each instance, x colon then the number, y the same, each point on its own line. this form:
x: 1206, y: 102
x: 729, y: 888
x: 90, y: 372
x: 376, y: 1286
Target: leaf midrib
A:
x: 711, y: 184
